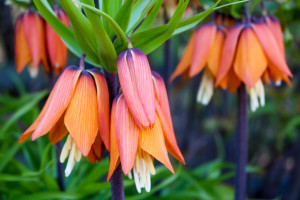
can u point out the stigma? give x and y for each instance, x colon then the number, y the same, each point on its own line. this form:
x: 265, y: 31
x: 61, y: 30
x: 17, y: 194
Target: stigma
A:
x: 70, y: 149
x: 257, y: 95
x: 206, y: 89
x: 142, y: 169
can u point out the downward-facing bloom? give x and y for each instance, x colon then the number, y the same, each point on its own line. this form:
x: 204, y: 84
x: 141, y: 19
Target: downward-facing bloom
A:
x: 30, y: 46
x: 56, y: 48
x: 137, y: 86
x: 203, y: 53
x: 136, y: 148
x: 78, y: 105
x: 251, y: 53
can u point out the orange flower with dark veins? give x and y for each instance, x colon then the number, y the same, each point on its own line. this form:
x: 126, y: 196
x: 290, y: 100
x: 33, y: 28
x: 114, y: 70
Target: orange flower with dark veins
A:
x: 136, y: 148
x: 56, y: 48
x: 78, y: 105
x: 30, y: 43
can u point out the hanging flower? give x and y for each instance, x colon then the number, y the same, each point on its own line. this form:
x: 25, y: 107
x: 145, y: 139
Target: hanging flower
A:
x: 78, y: 105
x: 30, y: 43
x: 56, y: 48
x: 203, y: 53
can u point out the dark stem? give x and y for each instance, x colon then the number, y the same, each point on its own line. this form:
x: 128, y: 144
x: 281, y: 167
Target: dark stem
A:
x: 263, y: 8
x: 116, y: 180
x: 241, y: 145
x: 247, y: 15
x: 167, y: 56
x: 81, y: 65
x: 59, y: 165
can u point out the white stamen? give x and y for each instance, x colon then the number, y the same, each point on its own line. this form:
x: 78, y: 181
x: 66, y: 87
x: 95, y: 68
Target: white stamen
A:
x: 142, y: 169
x: 257, y: 95
x: 70, y: 149
x: 33, y: 71
x: 278, y: 83
x: 129, y: 175
x: 206, y: 89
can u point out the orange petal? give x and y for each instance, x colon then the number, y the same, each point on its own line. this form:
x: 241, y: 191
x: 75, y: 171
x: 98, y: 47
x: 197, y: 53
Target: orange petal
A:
x: 103, y: 105
x: 250, y: 62
x: 22, y: 55
x: 163, y: 111
x: 266, y: 77
x: 97, y: 151
x: 59, y: 131
x: 276, y: 30
x: 59, y: 99
x: 136, y: 83
x: 228, y: 52
x: 114, y: 151
x: 203, y: 42
x: 277, y: 75
x: 127, y: 133
x: 185, y: 60
x: 152, y: 141
x: 271, y: 47
x: 92, y: 157
x: 81, y: 118
x: 233, y: 81
x: 215, y: 53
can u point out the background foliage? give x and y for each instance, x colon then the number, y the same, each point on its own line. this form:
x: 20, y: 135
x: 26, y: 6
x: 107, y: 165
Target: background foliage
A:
x: 204, y: 134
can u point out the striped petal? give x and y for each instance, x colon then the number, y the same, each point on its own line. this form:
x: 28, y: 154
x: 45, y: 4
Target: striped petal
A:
x: 164, y: 114
x: 103, y: 105
x: 185, y: 61
x: 81, y: 118
x: 136, y: 83
x: 228, y: 52
x: 276, y: 30
x: 215, y: 53
x: 114, y: 151
x: 127, y: 134
x: 57, y: 102
x: 152, y: 141
x: 58, y: 132
x: 250, y: 62
x: 203, y: 42
x: 97, y: 151
x: 22, y: 55
x: 271, y: 48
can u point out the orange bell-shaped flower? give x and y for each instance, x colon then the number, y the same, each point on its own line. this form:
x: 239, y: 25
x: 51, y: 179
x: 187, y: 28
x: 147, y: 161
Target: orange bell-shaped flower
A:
x: 30, y: 43
x: 56, y: 48
x: 78, y: 105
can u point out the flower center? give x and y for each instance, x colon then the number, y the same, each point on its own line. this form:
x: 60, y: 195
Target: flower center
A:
x: 70, y: 149
x: 206, y: 89
x: 142, y: 169
x: 257, y: 95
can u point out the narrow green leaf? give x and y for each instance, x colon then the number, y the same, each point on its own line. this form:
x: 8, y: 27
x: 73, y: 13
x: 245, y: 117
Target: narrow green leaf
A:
x: 123, y: 15
x: 9, y: 155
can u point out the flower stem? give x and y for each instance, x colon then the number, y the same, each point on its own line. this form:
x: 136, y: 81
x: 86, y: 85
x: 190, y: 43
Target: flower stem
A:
x: 81, y: 65
x: 242, y: 145
x: 247, y: 14
x: 116, y: 181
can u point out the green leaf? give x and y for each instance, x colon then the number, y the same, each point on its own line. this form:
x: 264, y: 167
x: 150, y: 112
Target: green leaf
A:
x: 105, y: 48
x: 151, y: 39
x: 21, y: 111
x: 123, y: 15
x: 9, y: 155
x: 83, y: 30
x: 63, y: 31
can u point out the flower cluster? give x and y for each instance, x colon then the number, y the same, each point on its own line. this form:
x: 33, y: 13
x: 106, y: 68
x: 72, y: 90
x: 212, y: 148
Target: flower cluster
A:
x: 246, y: 52
x: 36, y: 41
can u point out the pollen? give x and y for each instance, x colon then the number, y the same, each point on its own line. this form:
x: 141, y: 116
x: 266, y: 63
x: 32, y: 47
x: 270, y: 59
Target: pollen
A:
x: 70, y: 149
x: 142, y: 169
x: 206, y: 89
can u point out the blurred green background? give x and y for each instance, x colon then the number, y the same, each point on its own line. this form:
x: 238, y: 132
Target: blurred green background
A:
x: 205, y: 134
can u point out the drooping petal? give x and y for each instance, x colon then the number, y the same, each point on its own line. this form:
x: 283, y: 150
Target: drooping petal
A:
x: 164, y: 114
x: 22, y: 55
x: 97, y: 151
x: 277, y: 75
x: 152, y: 141
x: 271, y: 48
x: 215, y: 53
x: 233, y: 81
x: 186, y: 59
x: 81, y: 118
x: 266, y: 77
x: 276, y: 30
x: 58, y: 132
x: 59, y: 99
x: 250, y: 62
x: 103, y: 105
x: 114, y: 151
x: 203, y: 42
x: 137, y: 87
x: 228, y: 52
x: 127, y: 134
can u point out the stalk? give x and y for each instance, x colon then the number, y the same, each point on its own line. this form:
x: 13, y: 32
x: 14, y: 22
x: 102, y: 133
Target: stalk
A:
x: 242, y: 145
x: 116, y: 180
